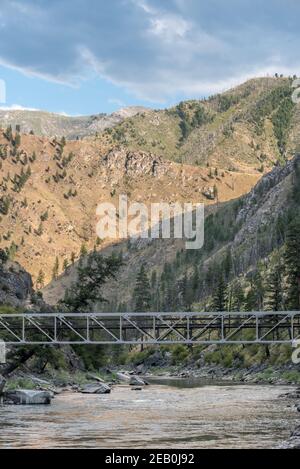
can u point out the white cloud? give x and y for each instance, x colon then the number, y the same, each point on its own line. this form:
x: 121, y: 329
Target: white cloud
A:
x: 17, y: 107
x: 117, y: 102
x: 154, y: 49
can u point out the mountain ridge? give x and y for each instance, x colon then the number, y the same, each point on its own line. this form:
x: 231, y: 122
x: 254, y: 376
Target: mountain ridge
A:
x: 50, y: 124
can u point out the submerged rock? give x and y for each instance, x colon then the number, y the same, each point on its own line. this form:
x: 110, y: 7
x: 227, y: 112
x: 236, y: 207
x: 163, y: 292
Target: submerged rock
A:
x: 96, y: 389
x: 26, y: 397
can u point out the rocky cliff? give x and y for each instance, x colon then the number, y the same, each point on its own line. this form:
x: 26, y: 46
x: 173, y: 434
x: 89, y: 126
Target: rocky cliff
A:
x: 15, y: 285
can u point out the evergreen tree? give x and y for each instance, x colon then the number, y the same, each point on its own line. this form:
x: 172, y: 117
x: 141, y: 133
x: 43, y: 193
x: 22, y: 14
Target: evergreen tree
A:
x: 183, y: 292
x: 95, y: 272
x: 73, y: 258
x: 227, y: 264
x: 219, y: 299
x: 142, y: 292
x: 292, y: 264
x: 195, y: 282
x: 55, y: 270
x: 83, y: 250
x: 40, y: 281
x: 274, y: 291
x: 255, y: 296
x: 235, y: 297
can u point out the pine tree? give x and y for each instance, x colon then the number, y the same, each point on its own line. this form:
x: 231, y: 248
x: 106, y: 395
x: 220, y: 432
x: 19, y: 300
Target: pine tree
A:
x: 83, y: 250
x: 40, y: 281
x: 292, y: 264
x: 235, y: 297
x: 183, y: 291
x: 274, y: 290
x: 195, y: 281
x: 142, y: 292
x: 255, y: 296
x: 65, y: 264
x: 227, y: 264
x: 86, y: 291
x: 55, y: 270
x: 216, y: 192
x: 219, y: 299
x: 8, y: 133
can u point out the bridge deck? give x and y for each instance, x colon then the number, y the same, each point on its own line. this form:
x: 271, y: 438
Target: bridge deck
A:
x: 151, y: 328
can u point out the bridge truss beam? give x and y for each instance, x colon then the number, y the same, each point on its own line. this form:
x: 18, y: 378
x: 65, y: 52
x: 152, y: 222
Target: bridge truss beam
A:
x: 150, y: 328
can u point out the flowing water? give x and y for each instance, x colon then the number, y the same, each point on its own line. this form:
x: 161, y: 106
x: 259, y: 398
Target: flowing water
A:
x: 171, y: 414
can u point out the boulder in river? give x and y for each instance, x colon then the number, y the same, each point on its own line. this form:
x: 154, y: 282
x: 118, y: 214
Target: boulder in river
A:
x: 28, y: 397
x: 136, y: 381
x: 123, y: 377
x: 96, y: 389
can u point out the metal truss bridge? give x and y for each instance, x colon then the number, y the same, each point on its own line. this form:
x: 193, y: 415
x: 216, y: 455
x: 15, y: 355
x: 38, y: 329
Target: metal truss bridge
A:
x: 150, y: 328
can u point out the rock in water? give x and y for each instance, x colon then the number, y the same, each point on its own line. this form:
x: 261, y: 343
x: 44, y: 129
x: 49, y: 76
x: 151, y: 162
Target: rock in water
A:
x: 122, y: 377
x: 136, y: 381
x: 25, y: 397
x: 2, y: 384
x: 96, y: 389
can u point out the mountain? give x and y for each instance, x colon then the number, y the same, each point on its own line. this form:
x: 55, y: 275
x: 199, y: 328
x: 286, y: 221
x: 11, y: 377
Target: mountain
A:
x: 248, y: 128
x: 59, y: 125
x: 210, y: 151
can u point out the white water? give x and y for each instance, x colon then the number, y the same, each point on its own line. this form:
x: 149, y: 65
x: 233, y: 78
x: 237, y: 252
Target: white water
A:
x: 157, y: 417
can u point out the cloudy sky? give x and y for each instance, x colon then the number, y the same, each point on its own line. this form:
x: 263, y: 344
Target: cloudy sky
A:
x: 91, y: 56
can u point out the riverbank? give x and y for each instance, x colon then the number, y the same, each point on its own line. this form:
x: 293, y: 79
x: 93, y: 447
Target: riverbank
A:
x: 75, y: 379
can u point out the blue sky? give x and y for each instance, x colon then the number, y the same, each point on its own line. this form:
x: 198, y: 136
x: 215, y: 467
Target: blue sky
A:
x: 92, y: 56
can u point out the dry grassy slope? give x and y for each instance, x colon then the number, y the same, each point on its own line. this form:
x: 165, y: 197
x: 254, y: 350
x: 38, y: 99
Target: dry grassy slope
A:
x: 92, y: 178
x: 229, y: 141
x: 253, y: 241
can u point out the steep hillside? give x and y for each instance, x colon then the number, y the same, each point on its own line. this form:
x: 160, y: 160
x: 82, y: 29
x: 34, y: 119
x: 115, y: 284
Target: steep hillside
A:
x: 247, y: 128
x: 50, y: 188
x: 49, y: 124
x: 238, y: 235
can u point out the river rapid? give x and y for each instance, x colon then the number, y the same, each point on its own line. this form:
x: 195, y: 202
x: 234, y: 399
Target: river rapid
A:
x: 166, y: 414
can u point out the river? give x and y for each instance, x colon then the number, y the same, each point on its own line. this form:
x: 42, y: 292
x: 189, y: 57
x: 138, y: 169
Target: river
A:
x: 170, y: 414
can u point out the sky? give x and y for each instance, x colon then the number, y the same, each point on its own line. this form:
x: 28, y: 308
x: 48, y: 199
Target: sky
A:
x: 84, y: 57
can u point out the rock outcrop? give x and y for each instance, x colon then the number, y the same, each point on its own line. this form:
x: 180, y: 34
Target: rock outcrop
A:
x: 135, y: 164
x: 15, y: 284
